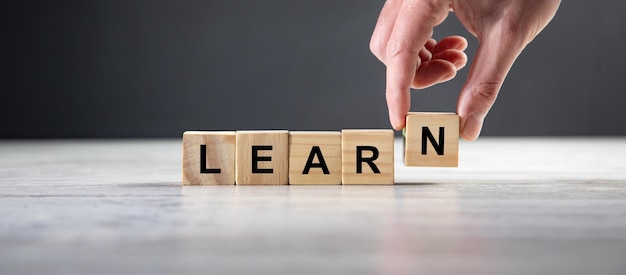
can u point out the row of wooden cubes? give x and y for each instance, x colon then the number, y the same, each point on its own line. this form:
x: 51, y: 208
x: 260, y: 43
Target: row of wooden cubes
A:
x: 297, y: 157
x: 283, y: 157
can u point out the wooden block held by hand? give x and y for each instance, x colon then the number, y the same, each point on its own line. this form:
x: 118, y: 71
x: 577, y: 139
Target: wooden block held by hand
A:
x: 314, y: 158
x: 262, y: 158
x: 367, y: 156
x: 431, y: 139
x: 208, y: 158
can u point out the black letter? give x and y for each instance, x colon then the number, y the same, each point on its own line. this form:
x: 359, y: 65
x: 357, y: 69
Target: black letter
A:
x: 309, y: 162
x: 256, y: 159
x: 203, y: 169
x: 370, y: 161
x: 438, y: 146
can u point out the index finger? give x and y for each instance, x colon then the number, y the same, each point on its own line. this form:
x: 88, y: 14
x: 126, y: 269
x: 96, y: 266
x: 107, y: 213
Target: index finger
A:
x: 412, y: 29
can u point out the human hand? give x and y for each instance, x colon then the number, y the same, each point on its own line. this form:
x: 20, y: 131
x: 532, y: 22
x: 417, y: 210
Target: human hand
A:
x: 402, y: 40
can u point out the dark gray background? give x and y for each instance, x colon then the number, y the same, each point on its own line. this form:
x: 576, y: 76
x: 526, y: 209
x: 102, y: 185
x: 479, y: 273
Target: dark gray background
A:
x: 157, y: 68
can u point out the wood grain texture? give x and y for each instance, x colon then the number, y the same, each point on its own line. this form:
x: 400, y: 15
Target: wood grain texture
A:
x: 415, y: 154
x: 219, y: 154
x: 359, y: 145
x: 262, y: 158
x: 301, y: 148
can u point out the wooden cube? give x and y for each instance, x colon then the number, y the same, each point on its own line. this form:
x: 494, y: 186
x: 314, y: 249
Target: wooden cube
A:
x: 431, y: 139
x: 314, y: 158
x: 208, y: 158
x: 367, y: 156
x: 262, y: 158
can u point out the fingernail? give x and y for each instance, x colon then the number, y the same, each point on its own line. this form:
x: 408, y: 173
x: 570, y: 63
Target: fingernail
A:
x: 471, y: 128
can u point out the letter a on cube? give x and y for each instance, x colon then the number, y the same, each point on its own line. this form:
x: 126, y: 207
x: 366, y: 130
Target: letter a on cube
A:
x: 314, y: 157
x: 431, y: 139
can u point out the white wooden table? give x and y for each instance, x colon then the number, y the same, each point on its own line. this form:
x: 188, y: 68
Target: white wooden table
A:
x: 514, y: 206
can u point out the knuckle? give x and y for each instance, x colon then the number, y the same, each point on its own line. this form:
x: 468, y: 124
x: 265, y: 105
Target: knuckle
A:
x: 485, y: 93
x: 377, y: 47
x: 398, y: 47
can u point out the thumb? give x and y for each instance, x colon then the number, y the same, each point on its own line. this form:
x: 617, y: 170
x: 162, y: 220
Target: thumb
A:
x: 492, y: 62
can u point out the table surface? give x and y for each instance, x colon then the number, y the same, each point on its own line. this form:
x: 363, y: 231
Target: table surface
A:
x: 514, y: 206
